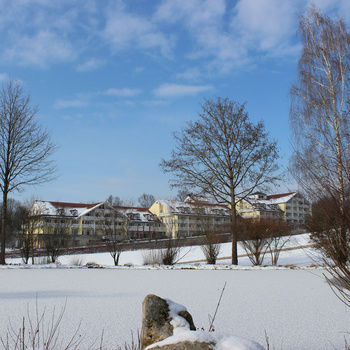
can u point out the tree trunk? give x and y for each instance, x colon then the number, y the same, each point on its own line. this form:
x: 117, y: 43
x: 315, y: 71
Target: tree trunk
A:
x: 3, y: 226
x: 116, y: 259
x: 234, y: 232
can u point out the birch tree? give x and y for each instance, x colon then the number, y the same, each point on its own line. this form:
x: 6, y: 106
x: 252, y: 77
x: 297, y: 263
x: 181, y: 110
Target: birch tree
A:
x: 320, y: 121
x: 319, y: 110
x: 223, y: 155
x: 25, y: 149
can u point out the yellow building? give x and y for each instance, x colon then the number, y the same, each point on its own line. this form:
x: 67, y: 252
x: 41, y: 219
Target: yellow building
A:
x: 291, y: 207
x: 191, y: 218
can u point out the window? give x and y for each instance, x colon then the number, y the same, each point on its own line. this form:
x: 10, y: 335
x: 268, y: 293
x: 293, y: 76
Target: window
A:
x: 60, y: 211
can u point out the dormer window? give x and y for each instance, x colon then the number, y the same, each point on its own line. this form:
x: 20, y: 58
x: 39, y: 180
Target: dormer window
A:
x: 60, y: 211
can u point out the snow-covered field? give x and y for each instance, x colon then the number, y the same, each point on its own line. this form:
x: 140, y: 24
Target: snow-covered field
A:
x: 295, y: 307
x: 194, y: 255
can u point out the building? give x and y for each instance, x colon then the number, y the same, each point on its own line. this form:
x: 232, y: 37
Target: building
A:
x: 81, y: 223
x: 142, y: 224
x: 291, y: 207
x: 191, y: 217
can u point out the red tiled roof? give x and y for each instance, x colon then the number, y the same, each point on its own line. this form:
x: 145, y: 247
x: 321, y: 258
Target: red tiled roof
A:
x: 275, y: 196
x: 132, y: 208
x: 74, y: 205
x: 206, y: 204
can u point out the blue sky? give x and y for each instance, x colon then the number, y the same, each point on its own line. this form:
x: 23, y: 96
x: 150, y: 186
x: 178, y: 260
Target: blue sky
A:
x: 114, y: 79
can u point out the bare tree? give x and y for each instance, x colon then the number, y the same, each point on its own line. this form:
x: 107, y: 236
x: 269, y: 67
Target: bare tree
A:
x: 29, y: 226
x: 146, y: 200
x: 14, y: 217
x: 114, y: 200
x: 319, y: 117
x: 223, y: 155
x: 263, y: 235
x: 255, y: 233
x: 25, y: 148
x: 208, y: 228
x: 279, y: 237
x: 182, y: 194
x: 327, y: 230
x: 55, y: 236
x: 116, y: 230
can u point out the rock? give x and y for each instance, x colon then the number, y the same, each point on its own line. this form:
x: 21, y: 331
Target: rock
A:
x: 169, y: 326
x: 93, y: 265
x: 187, y: 316
x: 186, y: 345
x: 156, y: 320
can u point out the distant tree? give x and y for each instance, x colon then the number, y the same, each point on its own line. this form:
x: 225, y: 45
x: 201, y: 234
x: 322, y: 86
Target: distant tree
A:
x: 320, y: 121
x: 29, y: 225
x: 223, y: 155
x: 279, y: 236
x: 182, y: 194
x: 25, y: 149
x: 254, y: 233
x: 327, y: 230
x: 263, y: 235
x: 56, y: 235
x: 14, y: 217
x: 146, y: 200
x: 116, y: 231
x: 114, y: 200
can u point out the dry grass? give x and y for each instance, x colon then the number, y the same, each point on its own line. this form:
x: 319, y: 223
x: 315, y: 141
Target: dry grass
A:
x: 40, y: 331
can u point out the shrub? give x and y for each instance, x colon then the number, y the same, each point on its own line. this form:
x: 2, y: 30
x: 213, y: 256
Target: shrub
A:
x: 211, y: 248
x: 152, y: 257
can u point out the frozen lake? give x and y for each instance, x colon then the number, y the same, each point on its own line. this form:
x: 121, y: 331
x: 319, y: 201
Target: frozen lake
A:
x: 295, y: 307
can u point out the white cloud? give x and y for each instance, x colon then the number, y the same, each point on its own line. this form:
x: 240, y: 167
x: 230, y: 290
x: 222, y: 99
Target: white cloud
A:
x: 192, y: 74
x: 177, y: 90
x: 73, y: 103
x: 194, y: 12
x: 42, y: 49
x: 124, y: 92
x: 45, y: 32
x: 96, y: 97
x: 265, y: 23
x: 125, y: 30
x: 230, y: 35
x: 206, y: 22
x: 90, y: 65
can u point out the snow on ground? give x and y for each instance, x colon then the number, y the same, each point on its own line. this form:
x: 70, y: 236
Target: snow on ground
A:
x: 295, y: 307
x: 301, y: 257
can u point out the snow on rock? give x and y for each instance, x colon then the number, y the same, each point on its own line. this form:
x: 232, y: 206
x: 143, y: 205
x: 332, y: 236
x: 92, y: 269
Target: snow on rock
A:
x: 186, y: 338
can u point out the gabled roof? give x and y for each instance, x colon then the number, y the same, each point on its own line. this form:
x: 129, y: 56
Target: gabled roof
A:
x: 281, y: 195
x: 143, y: 213
x: 69, y: 209
x: 173, y: 206
x: 269, y: 201
x: 73, y: 205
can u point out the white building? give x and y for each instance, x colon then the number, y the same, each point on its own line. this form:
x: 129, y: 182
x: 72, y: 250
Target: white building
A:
x: 83, y: 223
